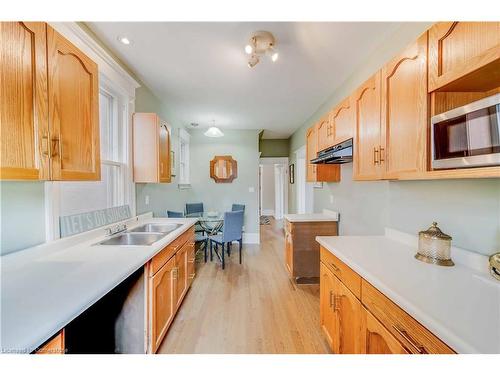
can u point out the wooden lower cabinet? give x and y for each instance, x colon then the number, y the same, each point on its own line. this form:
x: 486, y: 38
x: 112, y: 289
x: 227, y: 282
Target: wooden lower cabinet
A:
x: 169, y: 280
x: 357, y: 321
x: 55, y: 345
x: 376, y: 338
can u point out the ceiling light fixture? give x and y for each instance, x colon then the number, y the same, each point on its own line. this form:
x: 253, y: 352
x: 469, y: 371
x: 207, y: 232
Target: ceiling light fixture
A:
x: 124, y: 40
x: 261, y: 43
x: 214, y: 132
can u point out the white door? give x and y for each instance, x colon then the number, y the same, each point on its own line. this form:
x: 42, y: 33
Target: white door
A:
x: 279, y: 191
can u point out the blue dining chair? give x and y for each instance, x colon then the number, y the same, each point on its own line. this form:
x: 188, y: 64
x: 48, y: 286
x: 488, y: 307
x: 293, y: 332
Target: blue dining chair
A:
x: 238, y: 207
x: 232, y: 231
x: 193, y: 208
x: 174, y: 214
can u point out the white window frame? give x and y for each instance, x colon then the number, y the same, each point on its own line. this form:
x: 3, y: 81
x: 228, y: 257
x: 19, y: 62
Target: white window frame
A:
x: 184, y: 173
x: 115, y: 80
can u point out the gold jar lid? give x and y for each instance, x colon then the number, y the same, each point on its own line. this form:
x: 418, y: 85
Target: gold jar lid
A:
x: 433, y: 232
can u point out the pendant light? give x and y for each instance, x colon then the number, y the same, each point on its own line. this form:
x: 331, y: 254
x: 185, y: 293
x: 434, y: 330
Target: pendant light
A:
x: 214, y: 132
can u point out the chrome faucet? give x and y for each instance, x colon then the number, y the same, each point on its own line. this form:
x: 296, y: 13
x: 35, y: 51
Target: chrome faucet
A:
x: 116, y: 229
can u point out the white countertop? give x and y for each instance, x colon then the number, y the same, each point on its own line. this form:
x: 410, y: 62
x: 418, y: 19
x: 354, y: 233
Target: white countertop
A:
x: 325, y: 216
x: 45, y: 287
x: 458, y: 304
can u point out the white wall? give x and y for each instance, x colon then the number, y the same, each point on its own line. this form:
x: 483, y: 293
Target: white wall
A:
x: 268, y: 191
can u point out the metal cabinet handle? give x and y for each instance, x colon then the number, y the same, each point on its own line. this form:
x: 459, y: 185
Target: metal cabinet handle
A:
x: 56, y: 148
x: 335, y: 268
x: 381, y: 149
x: 337, y: 302
x: 191, y: 260
x: 45, y: 145
x: 375, y: 153
x: 192, y: 276
x: 331, y: 298
x: 419, y: 348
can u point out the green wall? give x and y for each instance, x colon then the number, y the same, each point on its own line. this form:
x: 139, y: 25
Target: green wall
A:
x: 274, y: 148
x: 468, y: 210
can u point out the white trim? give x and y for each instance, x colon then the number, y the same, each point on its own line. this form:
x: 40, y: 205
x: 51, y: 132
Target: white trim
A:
x: 109, y: 70
x: 251, y: 238
x: 268, y: 212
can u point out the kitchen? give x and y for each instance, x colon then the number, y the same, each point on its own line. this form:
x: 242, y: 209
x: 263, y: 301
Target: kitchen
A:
x: 130, y: 215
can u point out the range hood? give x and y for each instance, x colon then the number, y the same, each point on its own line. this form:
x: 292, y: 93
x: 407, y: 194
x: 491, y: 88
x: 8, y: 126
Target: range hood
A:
x: 339, y: 154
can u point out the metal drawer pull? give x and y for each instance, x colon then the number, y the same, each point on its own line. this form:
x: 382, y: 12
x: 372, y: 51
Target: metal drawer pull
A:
x: 191, y: 260
x: 192, y: 276
x: 335, y: 268
x: 381, y: 149
x: 331, y: 298
x: 45, y: 145
x: 337, y: 303
x: 415, y: 345
x: 375, y: 153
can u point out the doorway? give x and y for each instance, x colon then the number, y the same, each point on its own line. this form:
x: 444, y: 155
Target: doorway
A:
x: 304, y: 190
x: 273, y: 187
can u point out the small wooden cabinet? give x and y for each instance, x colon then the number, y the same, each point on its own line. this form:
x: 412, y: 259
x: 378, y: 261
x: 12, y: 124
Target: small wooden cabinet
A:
x: 325, y: 133
x: 302, y: 250
x: 170, y: 275
x: 49, y: 110
x: 464, y: 56
x: 151, y: 145
x: 356, y: 318
x: 318, y: 172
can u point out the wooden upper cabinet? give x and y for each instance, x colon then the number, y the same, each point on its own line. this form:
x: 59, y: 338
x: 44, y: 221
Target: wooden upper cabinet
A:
x: 366, y: 102
x: 151, y: 139
x: 404, y: 111
x: 377, y: 339
x: 311, y: 151
x: 73, y: 92
x: 464, y: 56
x: 342, y: 121
x: 324, y: 133
x: 23, y: 101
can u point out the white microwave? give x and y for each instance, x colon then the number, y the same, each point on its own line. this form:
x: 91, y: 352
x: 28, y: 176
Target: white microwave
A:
x: 467, y: 136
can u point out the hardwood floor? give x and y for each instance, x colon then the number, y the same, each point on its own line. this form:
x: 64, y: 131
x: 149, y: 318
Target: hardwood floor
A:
x: 249, y: 308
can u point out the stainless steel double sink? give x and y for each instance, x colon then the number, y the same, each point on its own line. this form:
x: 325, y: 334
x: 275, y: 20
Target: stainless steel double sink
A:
x: 144, y: 235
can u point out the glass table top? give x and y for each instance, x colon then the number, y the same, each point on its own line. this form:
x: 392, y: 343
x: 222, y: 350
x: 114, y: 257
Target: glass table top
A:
x: 207, y: 216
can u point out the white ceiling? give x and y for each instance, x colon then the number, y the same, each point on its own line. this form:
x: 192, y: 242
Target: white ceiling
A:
x: 199, y: 70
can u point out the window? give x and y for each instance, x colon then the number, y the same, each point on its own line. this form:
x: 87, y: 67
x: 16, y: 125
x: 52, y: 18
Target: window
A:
x: 79, y: 197
x: 184, y: 157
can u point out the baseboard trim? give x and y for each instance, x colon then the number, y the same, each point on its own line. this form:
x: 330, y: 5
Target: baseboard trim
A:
x: 251, y: 238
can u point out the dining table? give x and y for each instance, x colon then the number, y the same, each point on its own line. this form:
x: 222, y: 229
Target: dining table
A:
x: 210, y: 222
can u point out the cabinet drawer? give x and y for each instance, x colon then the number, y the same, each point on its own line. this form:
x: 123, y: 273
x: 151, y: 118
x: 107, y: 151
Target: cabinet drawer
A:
x: 414, y: 336
x: 163, y: 256
x: 350, y: 278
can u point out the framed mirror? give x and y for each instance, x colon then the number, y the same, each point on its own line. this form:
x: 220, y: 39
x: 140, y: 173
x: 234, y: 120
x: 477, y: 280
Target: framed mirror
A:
x: 223, y: 169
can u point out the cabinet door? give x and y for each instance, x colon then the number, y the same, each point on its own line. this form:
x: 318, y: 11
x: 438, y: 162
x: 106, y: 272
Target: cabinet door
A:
x: 327, y: 314
x: 367, y: 128
x: 457, y: 49
x: 311, y: 151
x: 289, y: 252
x: 342, y: 120
x: 73, y: 111
x: 404, y: 111
x: 347, y: 338
x: 181, y: 263
x: 164, y: 154
x: 324, y: 140
x: 377, y: 339
x: 163, y: 301
x: 23, y: 101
